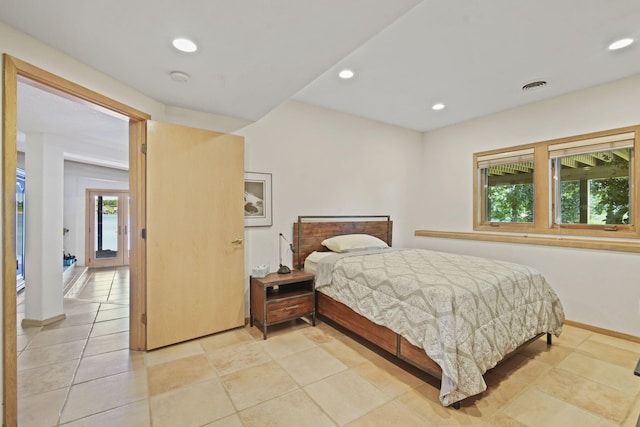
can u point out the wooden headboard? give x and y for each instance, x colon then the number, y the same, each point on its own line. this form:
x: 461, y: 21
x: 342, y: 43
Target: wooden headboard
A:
x: 317, y: 228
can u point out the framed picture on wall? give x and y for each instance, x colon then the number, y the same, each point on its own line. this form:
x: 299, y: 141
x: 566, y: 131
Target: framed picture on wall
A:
x: 257, y: 199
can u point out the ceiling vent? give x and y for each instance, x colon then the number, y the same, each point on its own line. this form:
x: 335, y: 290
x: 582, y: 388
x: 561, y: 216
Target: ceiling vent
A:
x: 534, y: 85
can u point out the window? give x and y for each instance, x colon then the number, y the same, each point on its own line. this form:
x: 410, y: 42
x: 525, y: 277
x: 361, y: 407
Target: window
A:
x: 20, y: 227
x: 593, y: 180
x: 583, y: 185
x: 507, y: 186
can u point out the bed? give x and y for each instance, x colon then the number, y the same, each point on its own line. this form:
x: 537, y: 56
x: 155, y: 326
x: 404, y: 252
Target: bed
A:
x: 452, y: 316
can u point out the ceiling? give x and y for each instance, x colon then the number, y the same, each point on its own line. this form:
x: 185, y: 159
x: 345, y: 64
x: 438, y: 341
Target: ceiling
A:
x: 407, y: 54
x: 85, y: 134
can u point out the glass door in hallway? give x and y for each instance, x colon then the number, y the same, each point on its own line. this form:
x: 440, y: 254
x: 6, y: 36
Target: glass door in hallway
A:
x: 108, y: 242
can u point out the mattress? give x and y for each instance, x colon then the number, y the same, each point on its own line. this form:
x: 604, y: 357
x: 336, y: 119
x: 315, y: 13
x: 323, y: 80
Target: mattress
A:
x: 311, y: 263
x: 466, y: 312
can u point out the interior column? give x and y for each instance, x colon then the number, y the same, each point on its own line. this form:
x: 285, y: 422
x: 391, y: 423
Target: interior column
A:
x: 44, y: 170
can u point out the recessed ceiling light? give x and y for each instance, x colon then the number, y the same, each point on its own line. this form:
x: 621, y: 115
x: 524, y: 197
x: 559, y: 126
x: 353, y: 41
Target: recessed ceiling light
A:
x: 346, y: 74
x: 179, y: 76
x: 438, y: 106
x: 619, y: 44
x: 185, y: 45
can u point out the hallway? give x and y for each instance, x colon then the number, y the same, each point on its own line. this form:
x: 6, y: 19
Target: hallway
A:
x: 91, y: 342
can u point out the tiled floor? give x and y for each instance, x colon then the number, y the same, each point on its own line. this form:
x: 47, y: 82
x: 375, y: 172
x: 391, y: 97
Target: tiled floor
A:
x: 79, y: 372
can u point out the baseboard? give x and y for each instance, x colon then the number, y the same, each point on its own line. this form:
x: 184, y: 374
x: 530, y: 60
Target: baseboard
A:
x: 45, y: 322
x: 75, y: 286
x: 603, y: 331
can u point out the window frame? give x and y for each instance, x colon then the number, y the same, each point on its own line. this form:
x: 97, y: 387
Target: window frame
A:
x: 545, y: 206
x: 500, y: 157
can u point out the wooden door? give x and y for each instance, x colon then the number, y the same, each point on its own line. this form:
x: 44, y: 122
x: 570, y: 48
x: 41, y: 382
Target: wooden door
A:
x: 195, y: 231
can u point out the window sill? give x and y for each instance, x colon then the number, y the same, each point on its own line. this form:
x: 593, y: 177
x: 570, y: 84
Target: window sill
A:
x: 579, y: 231
x: 563, y: 241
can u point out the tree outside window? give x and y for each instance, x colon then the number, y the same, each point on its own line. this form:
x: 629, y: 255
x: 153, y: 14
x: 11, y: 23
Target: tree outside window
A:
x: 594, y: 188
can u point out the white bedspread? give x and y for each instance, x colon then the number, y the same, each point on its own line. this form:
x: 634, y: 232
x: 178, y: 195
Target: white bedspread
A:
x: 466, y: 312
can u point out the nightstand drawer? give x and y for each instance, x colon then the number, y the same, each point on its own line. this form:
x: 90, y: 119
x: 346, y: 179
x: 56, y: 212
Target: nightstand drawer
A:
x: 290, y: 308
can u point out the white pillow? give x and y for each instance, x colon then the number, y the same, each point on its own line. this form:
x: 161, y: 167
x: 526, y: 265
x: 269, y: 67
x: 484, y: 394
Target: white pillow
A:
x: 317, y: 256
x: 353, y: 242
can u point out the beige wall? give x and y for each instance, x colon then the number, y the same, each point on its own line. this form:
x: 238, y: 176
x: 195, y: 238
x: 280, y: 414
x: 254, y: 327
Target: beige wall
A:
x: 596, y: 287
x: 328, y: 163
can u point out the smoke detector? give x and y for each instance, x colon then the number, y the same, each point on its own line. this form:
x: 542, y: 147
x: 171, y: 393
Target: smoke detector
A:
x: 179, y: 76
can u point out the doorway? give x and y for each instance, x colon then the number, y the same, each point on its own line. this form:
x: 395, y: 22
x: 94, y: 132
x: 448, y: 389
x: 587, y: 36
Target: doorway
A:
x: 16, y: 70
x: 212, y: 232
x: 107, y: 216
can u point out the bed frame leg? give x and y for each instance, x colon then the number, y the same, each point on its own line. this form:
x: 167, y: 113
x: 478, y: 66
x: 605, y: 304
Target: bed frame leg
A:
x: 548, y: 338
x: 456, y: 405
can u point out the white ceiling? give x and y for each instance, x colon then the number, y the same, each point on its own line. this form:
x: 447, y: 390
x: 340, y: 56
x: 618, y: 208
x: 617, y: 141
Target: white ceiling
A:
x: 85, y: 134
x: 475, y: 56
x: 472, y: 55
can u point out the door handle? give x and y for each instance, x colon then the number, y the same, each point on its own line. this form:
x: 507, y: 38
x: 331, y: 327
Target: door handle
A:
x: 238, y: 241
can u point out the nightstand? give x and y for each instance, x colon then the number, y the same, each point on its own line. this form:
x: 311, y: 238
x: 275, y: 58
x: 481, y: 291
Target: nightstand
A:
x: 278, y: 298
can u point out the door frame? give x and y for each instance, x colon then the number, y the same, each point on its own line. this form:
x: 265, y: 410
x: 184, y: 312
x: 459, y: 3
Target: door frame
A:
x: 90, y: 228
x: 17, y: 70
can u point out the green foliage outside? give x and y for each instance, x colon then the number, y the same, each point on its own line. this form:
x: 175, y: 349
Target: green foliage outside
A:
x: 611, y: 199
x: 109, y: 206
x: 608, y: 198
x: 570, y: 202
x: 510, y: 203
x: 608, y: 201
